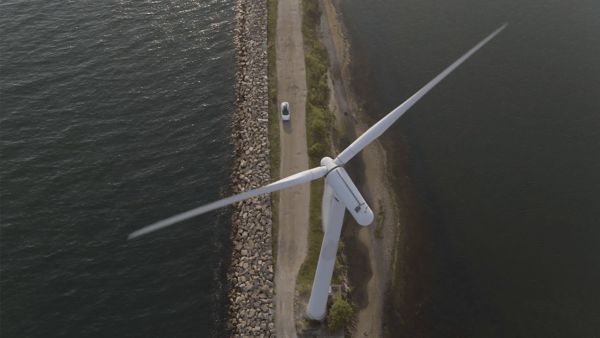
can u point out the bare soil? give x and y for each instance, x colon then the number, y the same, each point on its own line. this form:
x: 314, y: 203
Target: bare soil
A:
x: 370, y: 249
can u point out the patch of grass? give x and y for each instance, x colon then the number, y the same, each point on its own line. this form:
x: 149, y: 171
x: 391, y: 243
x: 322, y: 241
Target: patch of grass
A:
x: 273, y: 116
x: 319, y: 122
x: 340, y: 315
x: 315, y: 236
x: 319, y: 118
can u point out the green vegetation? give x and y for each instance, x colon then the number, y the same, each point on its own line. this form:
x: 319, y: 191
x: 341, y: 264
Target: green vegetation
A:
x: 319, y: 118
x: 273, y: 116
x: 315, y: 236
x: 319, y: 121
x: 340, y: 315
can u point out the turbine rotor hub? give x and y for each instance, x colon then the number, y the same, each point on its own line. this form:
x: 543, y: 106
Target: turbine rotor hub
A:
x: 328, y: 163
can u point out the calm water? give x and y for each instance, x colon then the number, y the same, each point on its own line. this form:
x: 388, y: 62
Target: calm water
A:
x: 503, y: 160
x: 114, y: 114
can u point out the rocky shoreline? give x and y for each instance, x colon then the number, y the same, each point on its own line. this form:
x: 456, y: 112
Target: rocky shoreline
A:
x: 251, y: 274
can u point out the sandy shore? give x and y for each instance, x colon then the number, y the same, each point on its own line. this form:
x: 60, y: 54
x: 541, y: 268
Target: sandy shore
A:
x: 374, y: 243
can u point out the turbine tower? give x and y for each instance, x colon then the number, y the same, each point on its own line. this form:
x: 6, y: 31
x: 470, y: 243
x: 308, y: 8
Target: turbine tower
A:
x: 340, y: 193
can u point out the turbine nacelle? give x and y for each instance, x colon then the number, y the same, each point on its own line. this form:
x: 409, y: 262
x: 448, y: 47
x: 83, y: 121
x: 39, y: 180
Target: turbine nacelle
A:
x: 344, y: 189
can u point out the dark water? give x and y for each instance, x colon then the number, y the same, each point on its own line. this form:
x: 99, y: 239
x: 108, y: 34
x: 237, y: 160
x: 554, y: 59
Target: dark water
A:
x: 114, y: 114
x: 503, y: 162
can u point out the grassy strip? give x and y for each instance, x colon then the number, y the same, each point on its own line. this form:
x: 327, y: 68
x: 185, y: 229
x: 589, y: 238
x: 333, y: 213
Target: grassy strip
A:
x: 319, y: 121
x: 273, y: 116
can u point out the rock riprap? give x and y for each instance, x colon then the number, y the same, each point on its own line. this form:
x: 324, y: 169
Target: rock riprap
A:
x: 251, y: 272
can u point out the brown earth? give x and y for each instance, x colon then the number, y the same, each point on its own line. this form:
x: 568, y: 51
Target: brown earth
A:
x: 374, y: 243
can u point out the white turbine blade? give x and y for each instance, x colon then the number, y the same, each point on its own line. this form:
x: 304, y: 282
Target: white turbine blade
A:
x: 290, y: 181
x: 382, y: 125
x: 317, y: 304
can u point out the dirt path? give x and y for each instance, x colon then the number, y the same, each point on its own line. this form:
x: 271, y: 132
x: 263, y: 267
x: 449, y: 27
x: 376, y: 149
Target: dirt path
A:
x: 293, y: 202
x: 378, y: 238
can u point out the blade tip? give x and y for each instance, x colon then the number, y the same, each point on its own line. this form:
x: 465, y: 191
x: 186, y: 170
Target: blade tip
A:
x: 137, y: 233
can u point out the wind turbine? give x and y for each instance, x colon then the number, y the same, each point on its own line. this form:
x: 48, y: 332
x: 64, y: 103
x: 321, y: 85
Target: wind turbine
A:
x: 340, y: 193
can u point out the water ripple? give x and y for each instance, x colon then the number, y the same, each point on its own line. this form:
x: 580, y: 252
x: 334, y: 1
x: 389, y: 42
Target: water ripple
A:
x: 113, y: 115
